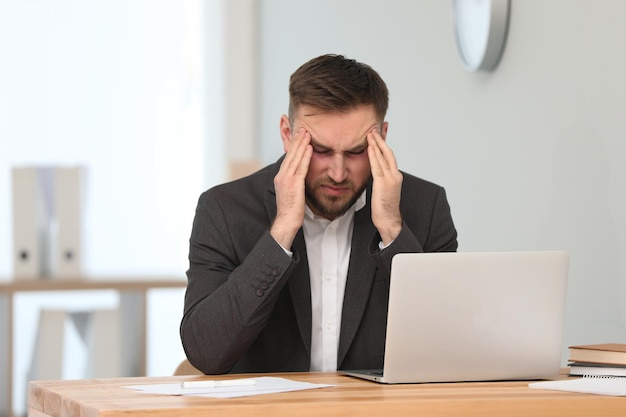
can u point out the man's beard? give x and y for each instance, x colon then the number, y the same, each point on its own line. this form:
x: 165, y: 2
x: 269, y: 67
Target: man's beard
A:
x: 327, y: 206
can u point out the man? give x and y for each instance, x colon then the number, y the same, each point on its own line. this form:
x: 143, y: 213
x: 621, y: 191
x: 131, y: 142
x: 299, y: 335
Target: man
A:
x: 289, y: 267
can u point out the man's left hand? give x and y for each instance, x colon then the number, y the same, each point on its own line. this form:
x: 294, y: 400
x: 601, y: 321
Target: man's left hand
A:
x: 386, y: 188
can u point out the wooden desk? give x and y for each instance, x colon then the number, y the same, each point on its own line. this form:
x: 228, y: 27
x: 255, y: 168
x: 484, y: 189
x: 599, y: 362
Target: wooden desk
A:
x: 133, y: 296
x: 350, y: 397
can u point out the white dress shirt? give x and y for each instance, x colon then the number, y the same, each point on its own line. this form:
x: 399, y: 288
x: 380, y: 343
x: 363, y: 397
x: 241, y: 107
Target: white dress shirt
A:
x: 328, y: 246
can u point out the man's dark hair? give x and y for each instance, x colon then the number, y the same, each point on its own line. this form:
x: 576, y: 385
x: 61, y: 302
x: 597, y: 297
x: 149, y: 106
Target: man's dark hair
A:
x: 334, y: 83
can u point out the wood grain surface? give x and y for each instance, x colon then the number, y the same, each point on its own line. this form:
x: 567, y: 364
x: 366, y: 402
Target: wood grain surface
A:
x: 349, y: 397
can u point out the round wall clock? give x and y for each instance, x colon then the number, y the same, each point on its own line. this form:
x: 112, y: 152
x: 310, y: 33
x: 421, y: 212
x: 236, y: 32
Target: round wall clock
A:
x: 480, y: 29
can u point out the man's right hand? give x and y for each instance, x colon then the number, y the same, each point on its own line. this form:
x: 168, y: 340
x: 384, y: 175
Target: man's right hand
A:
x: 289, y: 185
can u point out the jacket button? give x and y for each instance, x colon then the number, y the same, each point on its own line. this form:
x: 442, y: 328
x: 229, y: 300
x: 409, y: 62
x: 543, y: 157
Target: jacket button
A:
x: 259, y: 292
x: 264, y: 285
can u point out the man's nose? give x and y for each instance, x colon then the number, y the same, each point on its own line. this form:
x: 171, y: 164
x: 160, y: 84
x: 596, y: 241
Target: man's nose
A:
x: 337, y: 170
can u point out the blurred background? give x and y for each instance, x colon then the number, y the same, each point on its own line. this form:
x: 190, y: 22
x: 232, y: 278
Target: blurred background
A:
x: 161, y: 99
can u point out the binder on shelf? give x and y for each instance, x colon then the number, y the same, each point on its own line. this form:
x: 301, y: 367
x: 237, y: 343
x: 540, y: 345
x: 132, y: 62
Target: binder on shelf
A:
x: 31, y: 217
x: 65, y: 249
x: 47, y: 222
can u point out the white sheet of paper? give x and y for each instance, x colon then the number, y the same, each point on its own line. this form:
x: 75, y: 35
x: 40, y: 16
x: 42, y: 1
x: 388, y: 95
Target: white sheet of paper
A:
x: 263, y: 385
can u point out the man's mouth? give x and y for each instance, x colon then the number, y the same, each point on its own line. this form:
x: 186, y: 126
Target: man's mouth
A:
x: 335, y: 189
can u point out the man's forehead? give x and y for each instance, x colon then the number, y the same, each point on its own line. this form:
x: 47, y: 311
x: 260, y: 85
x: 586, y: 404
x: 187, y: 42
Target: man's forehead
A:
x: 339, y: 139
x: 327, y: 129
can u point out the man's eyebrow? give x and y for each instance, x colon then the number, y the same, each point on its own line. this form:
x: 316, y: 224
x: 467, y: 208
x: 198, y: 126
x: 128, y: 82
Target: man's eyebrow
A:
x: 357, y: 148
x: 315, y: 144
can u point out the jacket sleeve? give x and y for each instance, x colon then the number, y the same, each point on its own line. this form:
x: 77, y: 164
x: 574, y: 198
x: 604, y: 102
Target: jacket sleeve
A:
x: 228, y: 299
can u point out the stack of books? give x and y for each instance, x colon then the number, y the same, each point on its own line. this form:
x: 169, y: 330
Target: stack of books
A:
x: 604, y: 359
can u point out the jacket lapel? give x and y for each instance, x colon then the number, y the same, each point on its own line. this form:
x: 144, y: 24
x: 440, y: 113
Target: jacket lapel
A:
x: 361, y: 272
x: 300, y: 288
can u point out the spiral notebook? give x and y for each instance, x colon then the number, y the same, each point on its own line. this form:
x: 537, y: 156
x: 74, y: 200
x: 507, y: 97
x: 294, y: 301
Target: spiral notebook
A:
x: 592, y: 384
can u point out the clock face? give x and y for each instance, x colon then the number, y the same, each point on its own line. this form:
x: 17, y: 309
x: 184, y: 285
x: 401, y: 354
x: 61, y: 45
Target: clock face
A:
x: 480, y: 30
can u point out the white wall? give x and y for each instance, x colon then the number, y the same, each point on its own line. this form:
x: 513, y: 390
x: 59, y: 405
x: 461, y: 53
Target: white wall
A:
x: 118, y: 86
x: 103, y: 84
x: 533, y: 155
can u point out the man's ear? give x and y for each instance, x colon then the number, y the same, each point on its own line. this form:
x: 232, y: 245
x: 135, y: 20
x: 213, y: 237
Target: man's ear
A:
x: 285, y: 132
x: 384, y: 132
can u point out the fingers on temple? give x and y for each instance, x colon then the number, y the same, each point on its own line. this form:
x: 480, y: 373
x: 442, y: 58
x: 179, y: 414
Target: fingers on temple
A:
x: 297, y: 154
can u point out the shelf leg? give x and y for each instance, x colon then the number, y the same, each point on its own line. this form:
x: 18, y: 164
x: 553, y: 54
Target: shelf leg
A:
x: 6, y: 355
x: 133, y: 328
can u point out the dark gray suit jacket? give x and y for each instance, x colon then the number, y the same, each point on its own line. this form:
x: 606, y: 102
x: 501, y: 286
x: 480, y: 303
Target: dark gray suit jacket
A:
x: 248, y: 304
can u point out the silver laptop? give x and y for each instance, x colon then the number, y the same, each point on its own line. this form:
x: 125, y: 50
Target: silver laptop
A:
x: 474, y: 317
